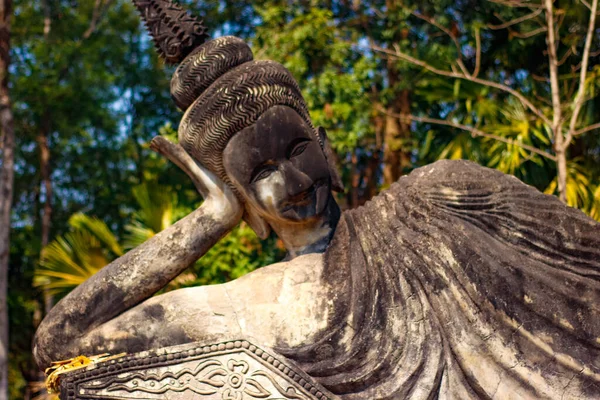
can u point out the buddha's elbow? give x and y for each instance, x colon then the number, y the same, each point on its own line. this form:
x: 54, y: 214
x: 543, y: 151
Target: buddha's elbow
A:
x: 46, y: 346
x: 39, y: 355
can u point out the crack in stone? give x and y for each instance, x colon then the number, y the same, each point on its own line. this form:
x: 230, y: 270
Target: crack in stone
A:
x: 570, y: 381
x: 237, y: 321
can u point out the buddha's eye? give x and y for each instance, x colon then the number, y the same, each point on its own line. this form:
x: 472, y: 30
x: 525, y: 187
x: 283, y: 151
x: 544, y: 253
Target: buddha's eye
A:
x: 298, y: 147
x: 262, y: 172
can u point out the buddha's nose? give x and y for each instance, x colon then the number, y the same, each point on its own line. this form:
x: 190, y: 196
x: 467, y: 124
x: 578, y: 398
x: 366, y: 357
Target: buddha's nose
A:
x: 295, y: 180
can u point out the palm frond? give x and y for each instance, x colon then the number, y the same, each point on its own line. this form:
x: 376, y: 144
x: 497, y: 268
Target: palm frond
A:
x: 97, y: 228
x: 156, y: 204
x: 516, y: 125
x: 137, y: 233
x: 595, y: 209
x: 460, y: 147
x: 69, y: 260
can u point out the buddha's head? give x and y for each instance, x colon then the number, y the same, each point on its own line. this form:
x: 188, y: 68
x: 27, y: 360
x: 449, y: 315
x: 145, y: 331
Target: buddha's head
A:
x: 279, y: 166
x: 247, y: 122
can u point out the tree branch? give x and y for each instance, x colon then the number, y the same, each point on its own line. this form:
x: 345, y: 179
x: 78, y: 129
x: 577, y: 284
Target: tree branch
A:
x: 94, y: 20
x: 553, y: 66
x: 528, y: 34
x: 516, y: 20
x: 477, y: 53
x: 526, y: 103
x: 565, y: 56
x: 474, y: 132
x: 586, y: 129
x: 100, y: 7
x: 516, y: 4
x: 579, y: 98
x: 453, y: 37
x: 585, y: 3
x: 557, y: 118
x: 441, y: 27
x: 47, y: 18
x: 540, y: 78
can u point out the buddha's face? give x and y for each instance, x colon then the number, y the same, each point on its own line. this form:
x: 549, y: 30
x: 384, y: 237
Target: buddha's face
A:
x: 278, y: 165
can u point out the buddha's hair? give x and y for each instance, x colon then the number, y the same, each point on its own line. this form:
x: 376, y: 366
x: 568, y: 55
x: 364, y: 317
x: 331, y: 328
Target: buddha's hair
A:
x: 218, y: 84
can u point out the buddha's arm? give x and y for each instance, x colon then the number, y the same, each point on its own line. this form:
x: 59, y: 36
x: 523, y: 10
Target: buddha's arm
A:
x: 131, y: 279
x: 141, y: 272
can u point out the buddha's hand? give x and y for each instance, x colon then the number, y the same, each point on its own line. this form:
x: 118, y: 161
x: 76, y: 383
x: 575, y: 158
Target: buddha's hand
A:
x: 219, y: 200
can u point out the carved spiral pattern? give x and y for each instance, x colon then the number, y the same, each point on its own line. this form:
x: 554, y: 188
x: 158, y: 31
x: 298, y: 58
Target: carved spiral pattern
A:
x: 205, y: 65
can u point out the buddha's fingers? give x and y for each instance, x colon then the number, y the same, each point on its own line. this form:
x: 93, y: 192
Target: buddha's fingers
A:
x: 178, y: 156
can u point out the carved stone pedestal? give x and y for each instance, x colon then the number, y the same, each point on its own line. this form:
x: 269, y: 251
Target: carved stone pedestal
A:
x: 234, y: 370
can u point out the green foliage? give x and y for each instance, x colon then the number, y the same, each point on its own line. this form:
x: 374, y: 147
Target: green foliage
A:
x: 156, y: 210
x: 238, y: 253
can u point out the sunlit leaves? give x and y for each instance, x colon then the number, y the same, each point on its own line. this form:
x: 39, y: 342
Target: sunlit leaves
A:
x: 580, y: 191
x: 98, y: 229
x: 595, y: 208
x: 517, y: 126
x: 461, y: 147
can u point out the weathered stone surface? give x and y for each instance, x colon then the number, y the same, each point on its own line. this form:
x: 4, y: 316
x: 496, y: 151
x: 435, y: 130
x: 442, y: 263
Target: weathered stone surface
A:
x: 231, y: 370
x: 461, y: 282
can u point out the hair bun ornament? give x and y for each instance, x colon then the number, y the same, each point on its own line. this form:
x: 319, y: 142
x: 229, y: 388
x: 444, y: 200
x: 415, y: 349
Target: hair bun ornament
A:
x: 175, y: 32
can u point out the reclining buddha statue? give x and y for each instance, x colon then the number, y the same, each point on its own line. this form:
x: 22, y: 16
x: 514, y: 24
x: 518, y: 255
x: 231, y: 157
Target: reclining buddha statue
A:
x: 458, y: 282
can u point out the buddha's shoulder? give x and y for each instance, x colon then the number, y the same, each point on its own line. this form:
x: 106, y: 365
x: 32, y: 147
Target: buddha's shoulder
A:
x: 453, y: 190
x: 460, y: 174
x: 457, y: 181
x: 458, y: 188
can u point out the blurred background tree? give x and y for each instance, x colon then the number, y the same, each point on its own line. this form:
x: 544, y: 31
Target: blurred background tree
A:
x: 397, y: 84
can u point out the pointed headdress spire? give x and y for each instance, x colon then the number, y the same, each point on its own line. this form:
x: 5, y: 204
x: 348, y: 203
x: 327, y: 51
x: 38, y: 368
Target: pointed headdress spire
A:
x: 176, y: 33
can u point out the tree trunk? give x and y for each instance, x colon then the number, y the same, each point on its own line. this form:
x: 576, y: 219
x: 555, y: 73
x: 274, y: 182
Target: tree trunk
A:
x: 354, y: 181
x: 396, y: 157
x: 6, y: 187
x: 46, y: 172
x: 561, y: 167
x: 370, y: 178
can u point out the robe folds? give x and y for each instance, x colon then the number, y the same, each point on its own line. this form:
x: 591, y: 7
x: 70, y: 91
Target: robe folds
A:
x: 461, y: 283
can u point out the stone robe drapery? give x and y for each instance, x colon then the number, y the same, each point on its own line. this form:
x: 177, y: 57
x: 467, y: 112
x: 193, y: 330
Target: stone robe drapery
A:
x: 464, y: 283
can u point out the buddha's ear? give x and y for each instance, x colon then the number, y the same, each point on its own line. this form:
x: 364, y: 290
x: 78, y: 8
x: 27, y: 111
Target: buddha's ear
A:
x: 336, y: 180
x: 256, y: 222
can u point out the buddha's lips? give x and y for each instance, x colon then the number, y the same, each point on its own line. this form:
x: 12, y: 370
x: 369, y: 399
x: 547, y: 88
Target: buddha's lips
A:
x: 305, y: 198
